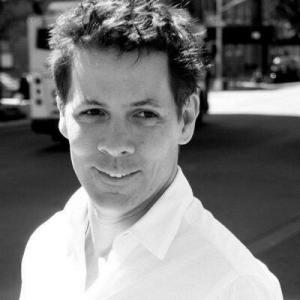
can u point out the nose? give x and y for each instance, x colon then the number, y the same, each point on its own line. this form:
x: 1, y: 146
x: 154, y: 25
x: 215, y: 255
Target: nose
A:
x: 116, y: 141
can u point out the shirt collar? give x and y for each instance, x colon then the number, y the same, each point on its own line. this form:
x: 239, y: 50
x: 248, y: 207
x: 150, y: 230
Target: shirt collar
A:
x: 155, y: 230
x: 158, y: 227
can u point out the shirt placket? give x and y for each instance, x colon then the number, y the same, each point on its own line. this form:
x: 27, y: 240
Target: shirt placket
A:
x: 109, y: 269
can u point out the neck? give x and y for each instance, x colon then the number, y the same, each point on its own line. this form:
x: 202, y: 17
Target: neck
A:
x: 106, y: 225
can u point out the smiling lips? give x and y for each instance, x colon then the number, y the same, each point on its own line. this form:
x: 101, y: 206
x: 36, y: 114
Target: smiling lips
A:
x: 117, y: 175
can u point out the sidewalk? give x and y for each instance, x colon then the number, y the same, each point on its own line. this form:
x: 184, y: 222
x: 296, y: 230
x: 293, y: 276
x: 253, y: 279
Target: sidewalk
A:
x: 244, y: 85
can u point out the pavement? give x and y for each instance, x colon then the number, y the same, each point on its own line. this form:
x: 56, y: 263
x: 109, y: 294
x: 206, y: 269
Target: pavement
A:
x: 281, y: 101
x: 244, y: 165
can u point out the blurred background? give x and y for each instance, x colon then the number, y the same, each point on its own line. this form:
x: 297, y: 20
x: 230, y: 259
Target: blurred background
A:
x: 243, y: 162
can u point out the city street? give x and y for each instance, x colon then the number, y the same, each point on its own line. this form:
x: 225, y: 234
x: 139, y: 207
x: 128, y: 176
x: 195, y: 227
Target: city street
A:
x: 243, y: 164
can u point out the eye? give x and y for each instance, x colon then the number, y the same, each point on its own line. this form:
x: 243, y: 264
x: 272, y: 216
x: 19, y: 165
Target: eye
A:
x: 92, y: 115
x: 146, y: 114
x: 93, y: 112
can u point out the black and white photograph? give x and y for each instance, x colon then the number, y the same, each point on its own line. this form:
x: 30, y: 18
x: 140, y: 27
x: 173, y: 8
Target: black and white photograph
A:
x: 150, y: 150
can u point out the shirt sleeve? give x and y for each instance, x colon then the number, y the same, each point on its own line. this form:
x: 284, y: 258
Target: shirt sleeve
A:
x: 251, y: 287
x: 25, y: 272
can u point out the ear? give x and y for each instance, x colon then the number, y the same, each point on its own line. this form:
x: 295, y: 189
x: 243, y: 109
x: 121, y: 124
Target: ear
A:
x: 189, y: 115
x: 62, y: 120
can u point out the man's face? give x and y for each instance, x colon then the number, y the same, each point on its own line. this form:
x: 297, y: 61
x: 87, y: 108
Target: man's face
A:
x: 122, y: 126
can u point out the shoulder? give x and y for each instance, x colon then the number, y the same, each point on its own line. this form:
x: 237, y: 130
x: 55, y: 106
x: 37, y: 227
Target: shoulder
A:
x: 46, y: 238
x: 232, y: 266
x: 42, y: 254
x: 53, y: 238
x: 248, y: 287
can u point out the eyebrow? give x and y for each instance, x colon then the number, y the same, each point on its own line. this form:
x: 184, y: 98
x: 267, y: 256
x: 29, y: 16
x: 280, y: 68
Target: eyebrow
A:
x: 147, y: 101
x: 89, y: 101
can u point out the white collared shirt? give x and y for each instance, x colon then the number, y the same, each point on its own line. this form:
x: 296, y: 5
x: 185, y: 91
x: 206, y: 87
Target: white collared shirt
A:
x: 177, y: 251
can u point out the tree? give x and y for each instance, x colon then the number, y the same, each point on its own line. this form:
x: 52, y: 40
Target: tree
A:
x: 13, y: 13
x: 289, y: 10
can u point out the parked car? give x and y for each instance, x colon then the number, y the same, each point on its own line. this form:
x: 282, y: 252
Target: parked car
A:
x: 8, y: 85
x: 11, y: 107
x: 285, y: 68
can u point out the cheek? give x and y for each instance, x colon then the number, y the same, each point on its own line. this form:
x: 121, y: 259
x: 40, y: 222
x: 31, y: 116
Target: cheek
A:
x: 158, y: 145
x: 81, y: 142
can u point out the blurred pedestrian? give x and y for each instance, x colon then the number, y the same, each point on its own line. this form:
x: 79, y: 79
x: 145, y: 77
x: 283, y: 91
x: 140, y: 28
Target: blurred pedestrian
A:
x: 126, y: 74
x: 23, y: 90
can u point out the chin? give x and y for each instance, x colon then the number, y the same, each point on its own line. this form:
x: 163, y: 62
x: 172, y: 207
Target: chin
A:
x: 111, y: 200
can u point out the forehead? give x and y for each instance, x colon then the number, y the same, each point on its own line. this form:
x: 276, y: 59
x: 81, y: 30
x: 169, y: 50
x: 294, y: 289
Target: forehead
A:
x: 115, y: 60
x: 113, y: 72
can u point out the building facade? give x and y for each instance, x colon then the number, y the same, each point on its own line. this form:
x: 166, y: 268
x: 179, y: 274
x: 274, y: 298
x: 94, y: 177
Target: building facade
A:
x: 252, y: 35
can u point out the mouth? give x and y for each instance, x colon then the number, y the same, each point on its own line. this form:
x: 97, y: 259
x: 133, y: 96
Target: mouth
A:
x: 117, y: 176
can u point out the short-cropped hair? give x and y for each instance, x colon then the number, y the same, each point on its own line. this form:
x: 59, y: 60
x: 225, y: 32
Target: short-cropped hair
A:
x: 127, y: 25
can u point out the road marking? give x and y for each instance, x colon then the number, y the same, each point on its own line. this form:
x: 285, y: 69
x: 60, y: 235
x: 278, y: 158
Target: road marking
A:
x: 276, y: 237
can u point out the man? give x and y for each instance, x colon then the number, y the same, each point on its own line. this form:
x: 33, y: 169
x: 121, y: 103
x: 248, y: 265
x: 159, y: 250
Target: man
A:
x: 126, y: 74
